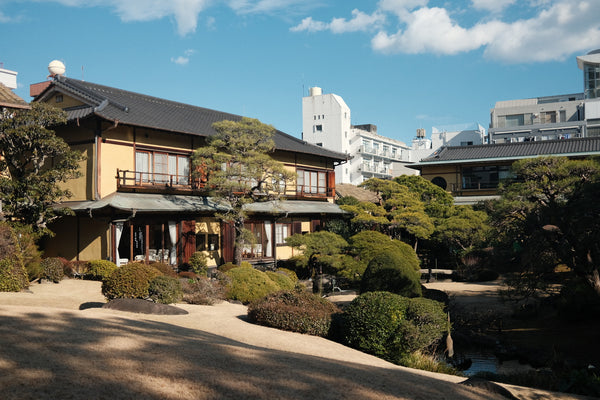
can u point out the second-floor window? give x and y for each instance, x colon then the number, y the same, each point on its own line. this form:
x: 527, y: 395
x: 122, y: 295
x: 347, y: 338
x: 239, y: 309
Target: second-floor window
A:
x: 159, y: 167
x: 313, y: 182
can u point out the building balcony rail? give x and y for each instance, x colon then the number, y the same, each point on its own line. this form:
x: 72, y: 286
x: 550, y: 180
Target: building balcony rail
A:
x: 161, y: 182
x: 384, y: 153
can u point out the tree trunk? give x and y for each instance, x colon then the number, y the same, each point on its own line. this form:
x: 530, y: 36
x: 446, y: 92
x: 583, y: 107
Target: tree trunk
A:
x: 594, y: 280
x: 237, y: 246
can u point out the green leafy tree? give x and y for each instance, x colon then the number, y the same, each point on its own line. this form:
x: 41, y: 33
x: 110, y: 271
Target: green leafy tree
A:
x: 320, y: 250
x: 237, y: 166
x: 35, y: 163
x: 549, y: 215
x: 437, y: 201
x: 464, y: 229
x: 405, y: 211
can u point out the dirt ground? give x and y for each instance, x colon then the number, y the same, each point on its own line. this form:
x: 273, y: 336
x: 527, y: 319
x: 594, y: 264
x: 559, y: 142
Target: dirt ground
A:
x: 55, y: 343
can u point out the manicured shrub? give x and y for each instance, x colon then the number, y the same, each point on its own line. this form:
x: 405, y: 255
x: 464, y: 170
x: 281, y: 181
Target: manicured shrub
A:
x: 198, y: 263
x: 368, y: 244
x: 282, y: 280
x: 53, y: 269
x: 291, y: 274
x: 187, y: 275
x: 388, y: 272
x: 249, y: 284
x: 294, y: 310
x: 391, y: 326
x: 245, y: 264
x: 164, y: 269
x: 99, y: 270
x: 13, y: 277
x: 203, y: 291
x: 31, y: 255
x: 129, y: 281
x: 227, y: 267
x: 165, y: 290
x: 78, y: 268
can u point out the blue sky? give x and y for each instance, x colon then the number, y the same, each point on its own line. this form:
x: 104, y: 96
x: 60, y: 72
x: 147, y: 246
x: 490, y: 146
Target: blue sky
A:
x: 398, y: 64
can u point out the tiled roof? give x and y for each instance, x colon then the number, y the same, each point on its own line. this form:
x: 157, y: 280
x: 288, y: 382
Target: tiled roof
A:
x: 136, y: 109
x: 9, y: 99
x: 360, y: 194
x: 513, y: 151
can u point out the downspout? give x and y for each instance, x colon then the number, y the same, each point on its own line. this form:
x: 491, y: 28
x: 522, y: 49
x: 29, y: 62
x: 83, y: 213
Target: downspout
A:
x: 96, y: 158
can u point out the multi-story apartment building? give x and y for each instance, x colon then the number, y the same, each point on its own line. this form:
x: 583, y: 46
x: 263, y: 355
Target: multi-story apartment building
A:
x: 566, y: 116
x: 444, y: 136
x: 137, y: 198
x: 326, y: 122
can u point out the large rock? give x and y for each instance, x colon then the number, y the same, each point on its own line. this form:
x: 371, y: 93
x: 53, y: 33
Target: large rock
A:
x: 143, y: 307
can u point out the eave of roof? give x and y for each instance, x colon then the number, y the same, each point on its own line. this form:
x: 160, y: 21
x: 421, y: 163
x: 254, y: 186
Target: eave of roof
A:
x: 513, y: 151
x: 10, y: 100
x: 141, y: 110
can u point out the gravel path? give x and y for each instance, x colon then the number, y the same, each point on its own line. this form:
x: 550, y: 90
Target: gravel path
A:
x: 55, y: 343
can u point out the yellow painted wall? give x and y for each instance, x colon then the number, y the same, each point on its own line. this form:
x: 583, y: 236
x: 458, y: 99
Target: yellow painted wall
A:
x: 94, y: 239
x: 113, y: 157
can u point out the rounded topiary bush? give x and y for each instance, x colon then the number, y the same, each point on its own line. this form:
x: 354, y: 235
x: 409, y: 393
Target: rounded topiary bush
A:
x: 291, y: 274
x: 227, y: 267
x: 203, y: 291
x: 165, y: 290
x: 98, y: 270
x: 390, y: 326
x: 281, y: 279
x: 198, y: 263
x: 129, y: 281
x: 248, y: 284
x: 294, y: 310
x: 164, y: 269
x: 53, y: 269
x: 389, y: 272
x: 13, y: 276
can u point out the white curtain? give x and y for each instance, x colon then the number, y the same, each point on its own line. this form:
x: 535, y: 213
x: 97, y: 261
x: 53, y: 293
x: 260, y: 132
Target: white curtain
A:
x: 173, y: 237
x: 118, y: 233
x: 268, y: 234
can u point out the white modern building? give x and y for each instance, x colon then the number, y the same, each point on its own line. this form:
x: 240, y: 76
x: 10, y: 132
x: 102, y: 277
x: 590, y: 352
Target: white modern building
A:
x: 446, y: 136
x: 565, y: 116
x: 326, y: 122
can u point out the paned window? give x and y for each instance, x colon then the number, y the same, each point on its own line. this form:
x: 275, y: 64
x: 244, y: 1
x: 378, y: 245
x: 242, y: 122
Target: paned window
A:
x: 157, y: 167
x: 314, y: 182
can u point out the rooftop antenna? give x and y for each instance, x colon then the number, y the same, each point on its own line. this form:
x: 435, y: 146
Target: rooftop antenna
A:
x: 82, y: 73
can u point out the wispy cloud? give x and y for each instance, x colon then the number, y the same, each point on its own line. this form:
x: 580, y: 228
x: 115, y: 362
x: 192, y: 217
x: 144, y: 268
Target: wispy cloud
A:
x: 184, y: 59
x: 553, y: 29
x: 360, y: 21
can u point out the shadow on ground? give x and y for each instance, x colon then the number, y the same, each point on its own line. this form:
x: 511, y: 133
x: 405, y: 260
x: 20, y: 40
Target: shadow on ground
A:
x: 81, y: 355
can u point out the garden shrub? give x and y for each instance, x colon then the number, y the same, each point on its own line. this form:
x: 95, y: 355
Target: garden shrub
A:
x: 187, y: 275
x: 281, y: 279
x: 249, y: 284
x: 198, y: 263
x: 78, y: 268
x: 388, y: 272
x: 227, y: 267
x: 203, y: 291
x: 129, y: 281
x: 28, y: 249
x: 13, y: 277
x: 291, y: 274
x: 294, y: 310
x: 99, y: 270
x: 165, y: 290
x: 245, y: 264
x: 368, y: 244
x: 390, y: 326
x: 164, y: 269
x: 53, y: 269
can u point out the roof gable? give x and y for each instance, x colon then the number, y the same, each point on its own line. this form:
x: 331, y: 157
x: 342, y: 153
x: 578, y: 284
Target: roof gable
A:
x: 9, y: 99
x: 136, y: 109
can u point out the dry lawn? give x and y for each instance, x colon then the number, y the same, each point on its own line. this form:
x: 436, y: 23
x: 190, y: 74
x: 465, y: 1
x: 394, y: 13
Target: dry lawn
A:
x: 56, y: 344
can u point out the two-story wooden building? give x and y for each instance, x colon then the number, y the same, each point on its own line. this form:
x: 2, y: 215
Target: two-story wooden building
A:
x: 473, y: 173
x: 137, y: 200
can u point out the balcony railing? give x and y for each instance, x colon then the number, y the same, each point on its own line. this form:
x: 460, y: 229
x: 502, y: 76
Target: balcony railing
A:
x: 147, y: 181
x: 138, y: 179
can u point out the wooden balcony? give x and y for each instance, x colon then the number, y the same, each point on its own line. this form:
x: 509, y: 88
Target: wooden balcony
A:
x: 136, y: 181
x: 147, y: 182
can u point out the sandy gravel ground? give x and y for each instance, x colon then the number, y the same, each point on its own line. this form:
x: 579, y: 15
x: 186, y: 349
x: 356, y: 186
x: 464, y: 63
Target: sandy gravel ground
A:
x: 56, y: 344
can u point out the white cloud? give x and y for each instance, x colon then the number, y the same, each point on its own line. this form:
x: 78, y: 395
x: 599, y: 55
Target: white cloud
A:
x: 492, y: 5
x: 270, y: 6
x: 184, y: 59
x: 359, y: 22
x: 548, y: 29
x: 184, y: 12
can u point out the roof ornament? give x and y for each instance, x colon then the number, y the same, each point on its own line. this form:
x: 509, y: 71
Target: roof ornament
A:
x: 55, y: 68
